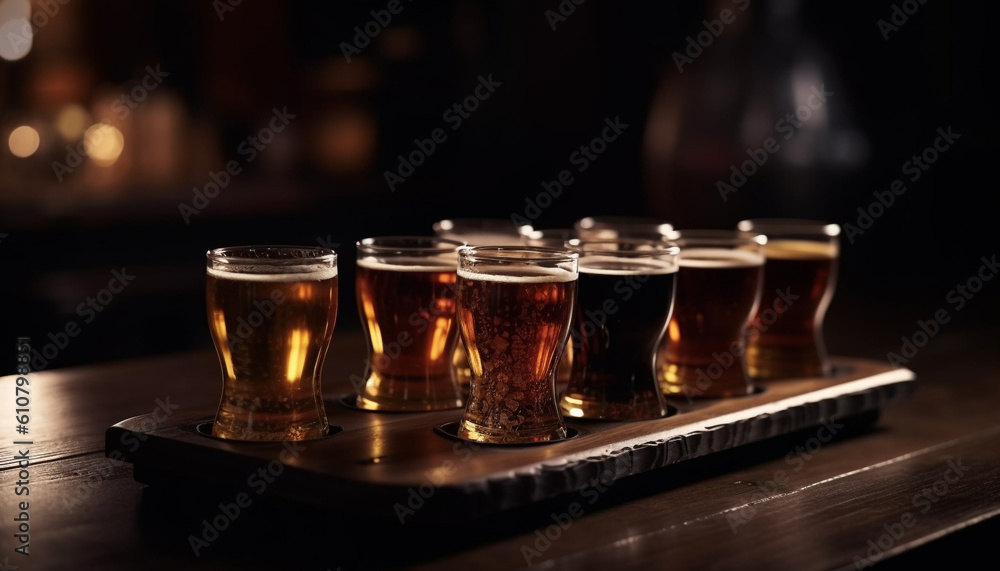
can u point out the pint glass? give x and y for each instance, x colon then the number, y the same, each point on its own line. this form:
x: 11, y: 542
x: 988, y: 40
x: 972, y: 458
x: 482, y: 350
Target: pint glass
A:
x: 406, y: 299
x: 718, y: 290
x: 785, y: 339
x: 271, y: 313
x: 515, y: 306
x: 625, y: 295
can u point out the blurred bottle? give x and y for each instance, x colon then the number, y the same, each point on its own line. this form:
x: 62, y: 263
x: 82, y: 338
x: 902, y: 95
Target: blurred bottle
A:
x: 750, y: 117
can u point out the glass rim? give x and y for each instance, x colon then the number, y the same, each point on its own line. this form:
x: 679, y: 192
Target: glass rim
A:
x: 374, y: 245
x: 790, y: 226
x: 456, y: 225
x: 718, y: 237
x: 529, y: 232
x: 520, y: 254
x: 622, y: 221
x: 659, y: 247
x: 313, y: 255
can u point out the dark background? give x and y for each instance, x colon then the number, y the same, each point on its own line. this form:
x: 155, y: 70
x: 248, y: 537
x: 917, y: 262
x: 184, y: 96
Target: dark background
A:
x: 322, y: 177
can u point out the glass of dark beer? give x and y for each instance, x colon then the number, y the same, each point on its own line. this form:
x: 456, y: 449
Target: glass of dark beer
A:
x: 718, y: 290
x: 475, y: 232
x: 611, y: 227
x: 624, y: 298
x: 271, y: 313
x: 785, y: 339
x: 406, y: 297
x: 515, y: 306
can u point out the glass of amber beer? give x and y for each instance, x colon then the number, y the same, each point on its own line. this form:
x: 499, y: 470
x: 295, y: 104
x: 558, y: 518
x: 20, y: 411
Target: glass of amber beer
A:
x: 406, y: 298
x: 515, y: 307
x: 718, y: 290
x: 271, y: 313
x: 785, y: 339
x: 624, y: 298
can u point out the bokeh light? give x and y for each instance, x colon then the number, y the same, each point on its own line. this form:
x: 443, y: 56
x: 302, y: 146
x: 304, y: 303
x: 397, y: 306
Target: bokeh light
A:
x: 103, y: 143
x: 23, y: 141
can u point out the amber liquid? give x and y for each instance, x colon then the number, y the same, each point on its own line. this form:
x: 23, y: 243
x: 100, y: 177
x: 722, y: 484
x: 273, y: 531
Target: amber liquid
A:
x: 272, y: 333
x: 514, y: 328
x: 702, y: 355
x: 408, y: 314
x: 785, y: 339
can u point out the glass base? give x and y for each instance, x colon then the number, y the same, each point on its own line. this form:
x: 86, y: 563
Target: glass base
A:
x: 383, y: 393
x: 491, y: 435
x: 592, y: 407
x: 695, y: 382
x: 787, y: 362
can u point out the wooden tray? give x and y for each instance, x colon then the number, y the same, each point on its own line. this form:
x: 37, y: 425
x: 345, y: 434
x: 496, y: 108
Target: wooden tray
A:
x: 401, y: 464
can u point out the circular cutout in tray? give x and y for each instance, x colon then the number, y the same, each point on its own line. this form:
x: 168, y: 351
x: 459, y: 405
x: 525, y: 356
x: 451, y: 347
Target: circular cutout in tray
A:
x: 450, y: 430
x: 205, y: 429
x: 349, y: 401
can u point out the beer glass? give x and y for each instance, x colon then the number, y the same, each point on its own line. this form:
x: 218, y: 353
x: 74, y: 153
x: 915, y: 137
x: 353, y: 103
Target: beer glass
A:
x: 718, y: 290
x: 406, y: 299
x: 553, y: 238
x: 611, y: 227
x: 625, y: 294
x: 271, y: 313
x: 475, y: 232
x: 515, y: 306
x: 785, y: 339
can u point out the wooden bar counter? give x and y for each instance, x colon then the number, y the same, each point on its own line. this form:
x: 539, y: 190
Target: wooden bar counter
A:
x: 919, y: 483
